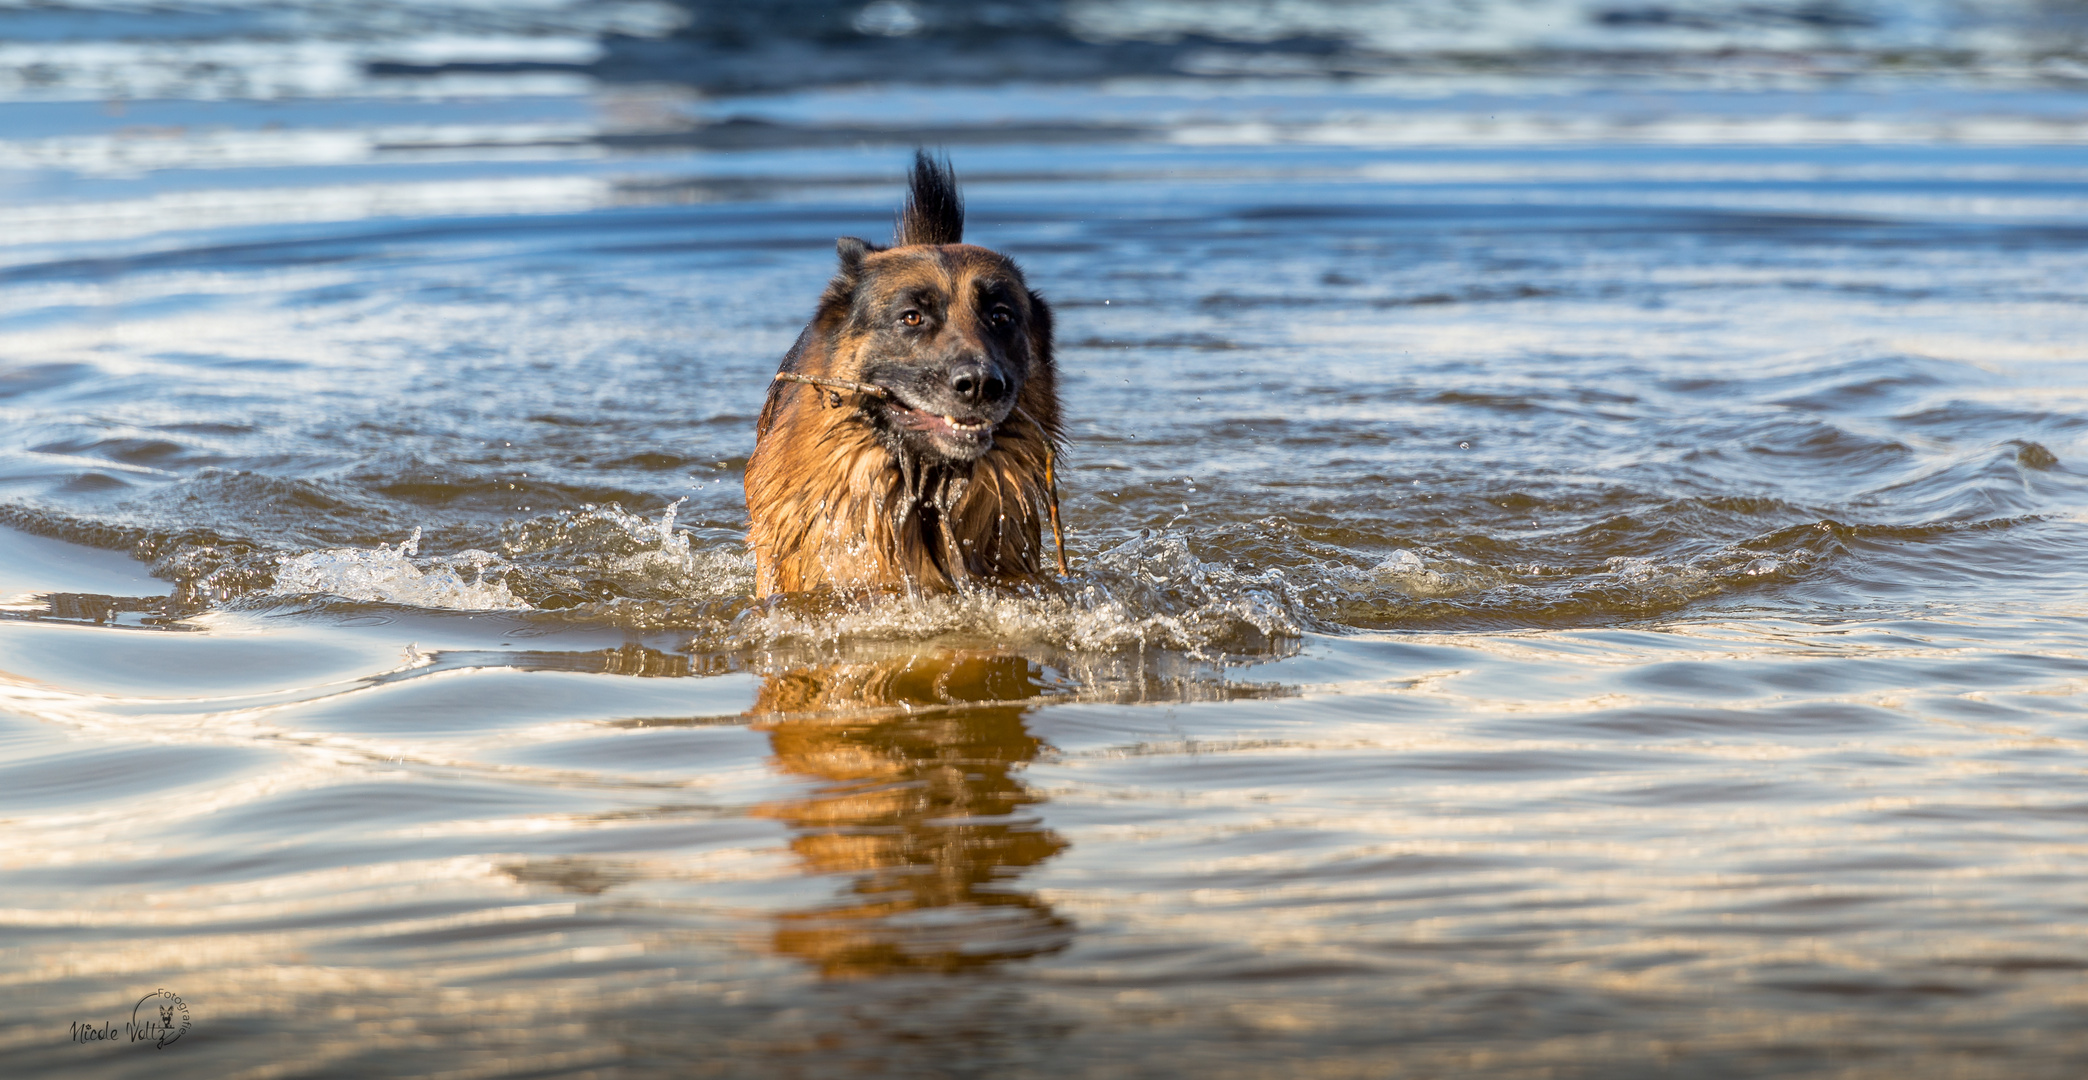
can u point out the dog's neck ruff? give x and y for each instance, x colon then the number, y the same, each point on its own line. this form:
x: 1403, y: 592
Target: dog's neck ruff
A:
x: 836, y: 505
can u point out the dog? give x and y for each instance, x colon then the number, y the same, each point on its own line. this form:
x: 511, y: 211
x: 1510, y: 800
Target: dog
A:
x: 908, y: 439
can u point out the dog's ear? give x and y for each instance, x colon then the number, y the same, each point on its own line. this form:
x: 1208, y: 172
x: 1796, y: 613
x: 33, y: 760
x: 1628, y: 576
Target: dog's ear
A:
x: 841, y: 291
x: 1039, y: 331
x: 852, y: 250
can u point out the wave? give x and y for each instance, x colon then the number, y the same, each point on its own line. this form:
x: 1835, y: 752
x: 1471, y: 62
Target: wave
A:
x: 387, y: 575
x: 607, y: 565
x: 1477, y: 558
x: 92, y: 50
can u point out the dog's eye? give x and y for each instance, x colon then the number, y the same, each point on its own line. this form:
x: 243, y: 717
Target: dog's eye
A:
x: 910, y: 318
x: 1001, y: 317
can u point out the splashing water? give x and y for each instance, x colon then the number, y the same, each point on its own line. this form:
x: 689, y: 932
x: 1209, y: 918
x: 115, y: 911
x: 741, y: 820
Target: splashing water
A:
x: 606, y: 565
x: 1149, y: 591
x: 387, y: 575
x: 606, y: 553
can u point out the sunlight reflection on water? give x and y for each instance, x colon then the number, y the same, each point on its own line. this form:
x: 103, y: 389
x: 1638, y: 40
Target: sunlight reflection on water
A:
x: 1576, y: 546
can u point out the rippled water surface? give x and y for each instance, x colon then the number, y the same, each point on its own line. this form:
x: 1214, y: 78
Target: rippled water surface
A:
x: 1578, y: 539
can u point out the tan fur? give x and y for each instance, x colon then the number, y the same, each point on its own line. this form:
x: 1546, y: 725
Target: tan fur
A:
x: 828, y: 501
x: 914, y: 762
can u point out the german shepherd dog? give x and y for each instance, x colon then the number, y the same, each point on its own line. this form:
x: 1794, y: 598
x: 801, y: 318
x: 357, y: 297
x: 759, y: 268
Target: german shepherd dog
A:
x: 908, y: 438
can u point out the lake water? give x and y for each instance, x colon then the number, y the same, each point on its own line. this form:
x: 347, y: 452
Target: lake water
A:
x: 1578, y: 522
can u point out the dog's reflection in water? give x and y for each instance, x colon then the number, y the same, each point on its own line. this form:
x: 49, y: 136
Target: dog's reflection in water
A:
x: 918, y: 802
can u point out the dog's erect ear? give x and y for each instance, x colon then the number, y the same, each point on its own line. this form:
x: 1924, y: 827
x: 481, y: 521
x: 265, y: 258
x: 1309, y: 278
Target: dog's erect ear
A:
x: 852, y: 251
x: 934, y: 211
x: 1040, y: 326
x: 840, y: 292
x: 1042, y: 363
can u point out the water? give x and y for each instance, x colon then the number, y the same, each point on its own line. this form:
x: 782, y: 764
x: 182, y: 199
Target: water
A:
x: 1577, y: 520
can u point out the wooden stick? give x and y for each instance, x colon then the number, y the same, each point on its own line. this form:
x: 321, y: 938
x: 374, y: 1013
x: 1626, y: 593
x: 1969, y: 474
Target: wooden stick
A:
x: 1051, y: 481
x: 1051, y: 487
x: 868, y: 389
x: 1058, y: 537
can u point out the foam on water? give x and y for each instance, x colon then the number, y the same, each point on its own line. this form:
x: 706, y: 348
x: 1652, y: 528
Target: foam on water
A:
x: 1228, y: 590
x: 558, y: 561
x: 607, y: 553
x: 606, y: 564
x: 387, y: 574
x: 1149, y: 591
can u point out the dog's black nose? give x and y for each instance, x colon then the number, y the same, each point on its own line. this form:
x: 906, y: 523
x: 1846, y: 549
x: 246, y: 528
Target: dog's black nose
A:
x: 976, y: 384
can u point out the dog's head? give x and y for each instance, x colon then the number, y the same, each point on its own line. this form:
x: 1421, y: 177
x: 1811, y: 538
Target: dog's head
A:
x: 908, y: 439
x: 949, y: 330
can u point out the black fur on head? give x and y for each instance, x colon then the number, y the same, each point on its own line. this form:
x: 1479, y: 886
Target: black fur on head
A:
x: 948, y: 332
x: 934, y: 211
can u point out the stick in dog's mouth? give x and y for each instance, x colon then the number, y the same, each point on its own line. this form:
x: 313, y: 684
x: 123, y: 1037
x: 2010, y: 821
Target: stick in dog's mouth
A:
x: 834, y: 386
x: 918, y: 419
x: 933, y: 422
x: 849, y: 385
x: 964, y: 437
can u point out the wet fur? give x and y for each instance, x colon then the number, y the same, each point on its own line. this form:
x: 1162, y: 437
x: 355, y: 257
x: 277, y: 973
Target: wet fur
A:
x: 839, y: 500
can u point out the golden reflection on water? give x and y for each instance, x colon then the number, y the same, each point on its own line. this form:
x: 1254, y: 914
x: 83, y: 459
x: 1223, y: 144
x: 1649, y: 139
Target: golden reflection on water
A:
x: 1545, y: 854
x: 915, y: 759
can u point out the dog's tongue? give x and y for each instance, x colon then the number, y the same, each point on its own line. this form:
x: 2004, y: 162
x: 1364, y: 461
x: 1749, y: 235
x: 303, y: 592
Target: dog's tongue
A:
x: 923, y: 420
x: 929, y: 422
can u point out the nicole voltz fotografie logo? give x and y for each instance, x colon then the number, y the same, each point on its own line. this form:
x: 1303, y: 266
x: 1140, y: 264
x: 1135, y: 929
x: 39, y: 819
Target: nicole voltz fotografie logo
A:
x: 158, y: 1018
